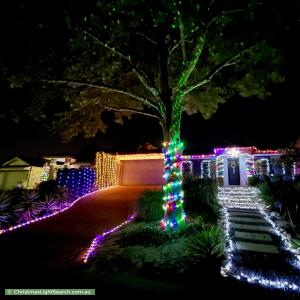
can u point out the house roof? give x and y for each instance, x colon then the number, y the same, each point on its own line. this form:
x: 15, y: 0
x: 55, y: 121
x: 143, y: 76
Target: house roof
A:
x: 21, y: 161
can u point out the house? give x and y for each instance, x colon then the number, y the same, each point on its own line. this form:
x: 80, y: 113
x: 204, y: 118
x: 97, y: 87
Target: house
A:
x: 234, y: 165
x: 229, y: 166
x: 20, y: 172
x: 53, y: 163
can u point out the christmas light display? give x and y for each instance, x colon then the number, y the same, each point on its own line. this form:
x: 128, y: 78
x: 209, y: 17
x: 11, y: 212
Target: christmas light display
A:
x: 220, y: 166
x: 187, y: 168
x: 267, y: 152
x: 45, y: 172
x: 100, y: 237
x: 236, y: 150
x: 140, y: 156
x: 107, y: 170
x: 250, y: 165
x: 205, y: 169
x: 12, y: 228
x: 262, y: 166
x: 201, y: 156
x: 172, y: 188
x: 249, y: 198
x: 78, y: 181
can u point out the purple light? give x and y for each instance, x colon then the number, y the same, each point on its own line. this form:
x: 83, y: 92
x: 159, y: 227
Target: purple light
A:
x: 2, y: 231
x: 100, y: 237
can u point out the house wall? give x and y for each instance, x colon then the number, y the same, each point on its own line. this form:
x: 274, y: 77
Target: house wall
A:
x: 10, y: 178
x: 142, y: 172
x: 34, y: 177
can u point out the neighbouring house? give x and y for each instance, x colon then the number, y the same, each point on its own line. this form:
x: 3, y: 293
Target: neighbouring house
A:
x: 20, y: 172
x: 54, y: 163
x: 230, y: 166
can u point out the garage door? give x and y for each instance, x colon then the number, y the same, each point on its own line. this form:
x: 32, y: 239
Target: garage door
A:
x: 142, y: 172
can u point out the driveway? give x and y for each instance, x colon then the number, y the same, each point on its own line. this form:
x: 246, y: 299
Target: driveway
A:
x: 54, y: 245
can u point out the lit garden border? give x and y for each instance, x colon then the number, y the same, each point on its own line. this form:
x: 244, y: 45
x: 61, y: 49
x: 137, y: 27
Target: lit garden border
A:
x: 252, y: 277
x: 12, y: 228
x: 100, y: 237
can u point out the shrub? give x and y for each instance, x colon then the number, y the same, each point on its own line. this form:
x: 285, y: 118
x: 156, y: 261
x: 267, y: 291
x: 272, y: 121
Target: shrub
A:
x: 150, y: 206
x: 5, y: 209
x: 47, y: 188
x: 201, y: 198
x: 254, y: 180
x: 207, y: 244
x: 28, y: 208
x: 145, y: 235
x: 266, y: 192
x: 49, y: 204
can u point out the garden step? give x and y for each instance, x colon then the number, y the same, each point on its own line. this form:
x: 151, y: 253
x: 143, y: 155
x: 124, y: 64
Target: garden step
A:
x: 253, y: 236
x: 246, y: 214
x: 264, y: 248
x: 250, y: 227
x: 247, y: 220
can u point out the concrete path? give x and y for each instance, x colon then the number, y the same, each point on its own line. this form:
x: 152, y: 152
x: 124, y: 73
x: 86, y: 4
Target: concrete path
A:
x: 54, y: 245
x: 254, y: 245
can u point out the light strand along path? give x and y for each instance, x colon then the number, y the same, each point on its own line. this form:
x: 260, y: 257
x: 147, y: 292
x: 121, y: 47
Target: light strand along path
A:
x: 258, y: 255
x: 53, y: 246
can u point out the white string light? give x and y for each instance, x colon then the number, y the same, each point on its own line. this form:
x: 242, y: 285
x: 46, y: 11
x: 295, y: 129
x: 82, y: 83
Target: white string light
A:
x: 229, y: 268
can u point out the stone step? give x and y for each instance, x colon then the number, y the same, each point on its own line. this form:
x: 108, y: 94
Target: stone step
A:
x: 250, y: 227
x: 264, y: 248
x: 247, y: 220
x: 253, y: 236
x: 245, y: 214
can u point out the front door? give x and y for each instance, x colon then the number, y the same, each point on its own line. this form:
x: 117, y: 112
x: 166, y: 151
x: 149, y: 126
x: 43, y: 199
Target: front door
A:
x: 233, y: 171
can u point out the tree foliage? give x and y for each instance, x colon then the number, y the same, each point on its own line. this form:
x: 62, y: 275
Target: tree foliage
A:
x: 107, y: 60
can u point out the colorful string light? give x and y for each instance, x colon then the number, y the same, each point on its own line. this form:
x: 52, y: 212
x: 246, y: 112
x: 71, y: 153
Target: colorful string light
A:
x: 174, y: 215
x: 100, y: 237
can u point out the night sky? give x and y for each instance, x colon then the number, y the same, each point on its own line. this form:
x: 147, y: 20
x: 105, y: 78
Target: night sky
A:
x: 271, y: 123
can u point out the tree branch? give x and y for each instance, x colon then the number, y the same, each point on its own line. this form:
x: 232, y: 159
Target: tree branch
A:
x: 146, y: 37
x: 229, y: 62
x: 106, y: 46
x: 191, y: 64
x: 144, y: 80
x: 131, y: 110
x: 103, y: 87
x: 207, y: 78
x: 195, y: 85
x: 182, y: 38
x: 223, y: 13
x: 142, y: 77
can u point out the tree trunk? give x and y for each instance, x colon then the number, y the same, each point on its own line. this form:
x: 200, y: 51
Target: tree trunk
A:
x: 172, y: 188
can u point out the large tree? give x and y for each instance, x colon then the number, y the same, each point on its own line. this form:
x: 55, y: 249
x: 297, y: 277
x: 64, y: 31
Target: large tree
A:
x: 156, y: 59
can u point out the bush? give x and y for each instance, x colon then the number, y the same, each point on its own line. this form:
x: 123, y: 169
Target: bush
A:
x: 201, y: 198
x: 47, y: 188
x: 207, y: 244
x: 145, y: 235
x: 254, y: 180
x: 150, y: 206
x: 267, y: 192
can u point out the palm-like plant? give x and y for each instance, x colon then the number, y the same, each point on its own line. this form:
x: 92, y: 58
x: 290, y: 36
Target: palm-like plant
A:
x: 206, y: 244
x: 5, y: 208
x: 28, y: 208
x: 63, y: 195
x: 49, y: 204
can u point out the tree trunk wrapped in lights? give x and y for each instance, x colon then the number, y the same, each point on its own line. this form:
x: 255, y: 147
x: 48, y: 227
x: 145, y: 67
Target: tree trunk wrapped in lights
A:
x: 172, y: 188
